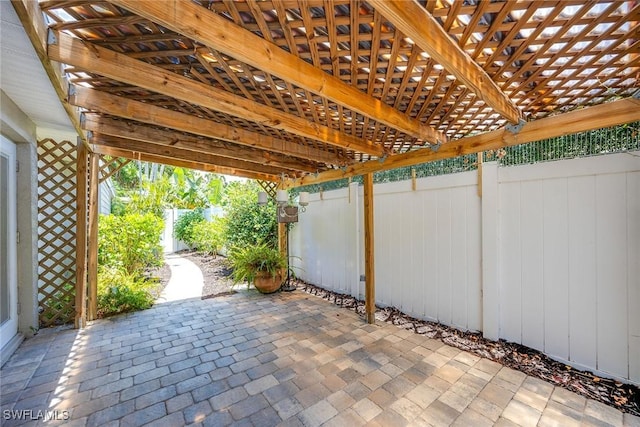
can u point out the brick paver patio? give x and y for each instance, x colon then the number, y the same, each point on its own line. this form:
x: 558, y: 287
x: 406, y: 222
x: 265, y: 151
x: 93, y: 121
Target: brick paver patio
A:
x: 284, y: 359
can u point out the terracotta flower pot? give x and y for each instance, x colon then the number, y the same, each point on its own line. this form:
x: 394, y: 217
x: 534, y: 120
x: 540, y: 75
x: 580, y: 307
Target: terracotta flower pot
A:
x: 266, y: 283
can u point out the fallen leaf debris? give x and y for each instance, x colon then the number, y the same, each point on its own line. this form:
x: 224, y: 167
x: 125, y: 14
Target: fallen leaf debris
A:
x: 625, y: 397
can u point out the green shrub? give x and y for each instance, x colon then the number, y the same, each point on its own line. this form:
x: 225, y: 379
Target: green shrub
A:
x: 130, y: 242
x: 208, y: 236
x: 183, y: 227
x: 119, y: 205
x: 121, y: 292
x: 250, y: 260
x: 246, y: 223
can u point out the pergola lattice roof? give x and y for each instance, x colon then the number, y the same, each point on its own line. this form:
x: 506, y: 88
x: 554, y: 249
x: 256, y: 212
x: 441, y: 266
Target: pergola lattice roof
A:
x: 317, y: 89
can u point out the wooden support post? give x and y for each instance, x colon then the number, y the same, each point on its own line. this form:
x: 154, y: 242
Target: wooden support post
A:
x: 369, y: 266
x: 92, y: 263
x: 413, y: 179
x: 81, y: 236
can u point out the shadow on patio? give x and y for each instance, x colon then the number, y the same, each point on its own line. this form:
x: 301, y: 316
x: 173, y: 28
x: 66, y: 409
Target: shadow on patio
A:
x: 289, y: 359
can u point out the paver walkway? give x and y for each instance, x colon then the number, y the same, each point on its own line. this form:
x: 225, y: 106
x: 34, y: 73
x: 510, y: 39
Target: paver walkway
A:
x: 264, y: 360
x: 186, y: 280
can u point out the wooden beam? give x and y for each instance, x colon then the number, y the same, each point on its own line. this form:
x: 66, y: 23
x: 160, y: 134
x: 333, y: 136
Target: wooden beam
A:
x: 130, y: 130
x: 95, y: 100
x: 417, y: 23
x: 32, y: 20
x: 217, y: 32
x: 81, y: 236
x: 369, y: 251
x: 182, y: 154
x: 133, y: 155
x: 118, y: 66
x: 591, y: 118
x: 92, y: 258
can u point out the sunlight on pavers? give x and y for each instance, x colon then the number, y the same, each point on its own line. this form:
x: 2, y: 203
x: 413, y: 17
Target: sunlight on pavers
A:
x: 282, y: 359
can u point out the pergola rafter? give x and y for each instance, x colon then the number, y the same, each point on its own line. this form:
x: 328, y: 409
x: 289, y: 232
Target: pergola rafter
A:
x: 152, y: 135
x: 153, y: 158
x: 183, y: 154
x: 223, y: 35
x: 418, y: 24
x: 605, y: 115
x: 120, y: 67
x: 94, y: 100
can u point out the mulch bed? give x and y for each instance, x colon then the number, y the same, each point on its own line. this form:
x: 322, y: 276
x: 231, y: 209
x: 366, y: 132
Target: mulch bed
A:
x: 216, y: 273
x: 624, y: 397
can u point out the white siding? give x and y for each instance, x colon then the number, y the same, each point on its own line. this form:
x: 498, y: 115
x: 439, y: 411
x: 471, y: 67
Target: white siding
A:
x: 105, y: 193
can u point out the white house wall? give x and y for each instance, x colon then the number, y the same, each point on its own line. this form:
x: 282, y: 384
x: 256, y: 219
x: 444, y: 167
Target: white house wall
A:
x: 16, y: 126
x: 548, y: 257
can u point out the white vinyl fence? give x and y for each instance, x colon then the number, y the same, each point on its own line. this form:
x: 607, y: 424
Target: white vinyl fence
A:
x: 548, y: 257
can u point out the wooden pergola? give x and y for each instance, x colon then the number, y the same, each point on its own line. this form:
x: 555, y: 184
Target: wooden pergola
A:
x: 309, y: 91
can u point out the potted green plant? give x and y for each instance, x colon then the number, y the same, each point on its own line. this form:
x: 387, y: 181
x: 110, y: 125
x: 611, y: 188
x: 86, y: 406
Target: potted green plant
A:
x: 259, y: 264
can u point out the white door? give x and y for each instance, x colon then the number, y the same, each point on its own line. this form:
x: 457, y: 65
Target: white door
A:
x: 8, y: 240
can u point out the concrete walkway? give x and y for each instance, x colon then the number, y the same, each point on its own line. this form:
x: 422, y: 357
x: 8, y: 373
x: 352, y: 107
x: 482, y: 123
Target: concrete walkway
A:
x: 287, y: 359
x: 186, y: 280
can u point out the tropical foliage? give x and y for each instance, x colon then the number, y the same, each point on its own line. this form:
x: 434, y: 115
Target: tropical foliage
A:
x: 130, y: 242
x: 246, y: 223
x: 129, y: 239
x: 208, y: 236
x: 183, y: 227
x: 248, y: 261
x: 121, y: 292
x: 147, y: 187
x: 127, y: 246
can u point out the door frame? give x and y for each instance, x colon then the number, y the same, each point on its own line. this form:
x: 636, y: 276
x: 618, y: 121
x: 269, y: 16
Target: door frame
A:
x: 9, y: 329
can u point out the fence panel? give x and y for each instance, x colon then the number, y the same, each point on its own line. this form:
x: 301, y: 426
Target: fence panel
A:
x: 323, y: 242
x: 565, y: 259
x: 611, y: 309
x: 633, y: 272
x: 582, y: 270
x: 425, y: 241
